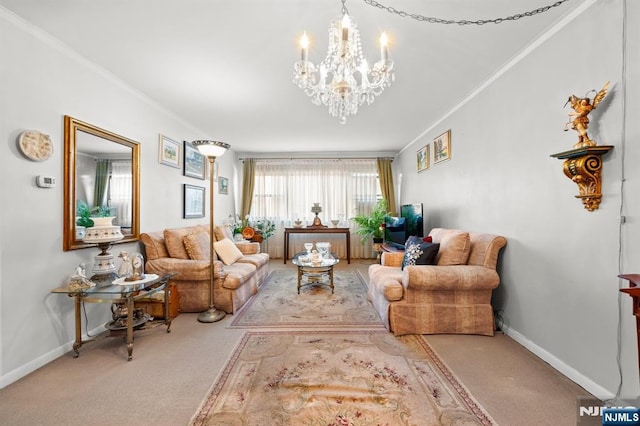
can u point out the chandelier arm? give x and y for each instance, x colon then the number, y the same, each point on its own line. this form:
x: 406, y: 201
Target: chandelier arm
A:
x: 343, y: 81
x: 434, y: 20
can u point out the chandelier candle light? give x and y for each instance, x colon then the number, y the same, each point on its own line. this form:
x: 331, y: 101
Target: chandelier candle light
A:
x: 343, y: 81
x: 211, y: 150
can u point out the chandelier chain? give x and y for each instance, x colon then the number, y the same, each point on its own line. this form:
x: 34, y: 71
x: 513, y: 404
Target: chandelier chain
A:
x: 434, y: 20
x: 344, y: 7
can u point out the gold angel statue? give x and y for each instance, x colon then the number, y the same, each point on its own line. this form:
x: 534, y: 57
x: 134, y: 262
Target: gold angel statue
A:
x: 579, y: 119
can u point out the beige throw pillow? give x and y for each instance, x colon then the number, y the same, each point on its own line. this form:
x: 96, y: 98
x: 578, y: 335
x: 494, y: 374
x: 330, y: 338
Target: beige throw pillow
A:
x: 227, y: 251
x: 197, y: 246
x: 174, y: 240
x: 223, y: 232
x: 454, y: 249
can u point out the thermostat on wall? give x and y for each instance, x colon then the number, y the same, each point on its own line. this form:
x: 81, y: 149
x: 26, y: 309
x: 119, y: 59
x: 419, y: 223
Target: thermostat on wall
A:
x: 45, y: 181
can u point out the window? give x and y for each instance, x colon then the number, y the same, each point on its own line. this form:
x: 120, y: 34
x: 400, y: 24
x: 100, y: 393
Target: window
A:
x: 285, y: 190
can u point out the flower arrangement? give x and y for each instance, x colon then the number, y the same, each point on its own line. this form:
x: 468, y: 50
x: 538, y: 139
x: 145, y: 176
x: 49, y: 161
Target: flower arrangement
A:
x: 238, y: 224
x: 264, y: 227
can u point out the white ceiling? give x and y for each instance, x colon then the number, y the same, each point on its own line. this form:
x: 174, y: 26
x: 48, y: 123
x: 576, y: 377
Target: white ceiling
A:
x: 226, y: 67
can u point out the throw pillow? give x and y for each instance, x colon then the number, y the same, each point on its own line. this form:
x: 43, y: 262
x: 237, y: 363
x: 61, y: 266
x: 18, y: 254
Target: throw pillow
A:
x: 419, y: 252
x: 227, y: 251
x: 223, y: 232
x: 174, y: 240
x: 454, y: 248
x: 197, y: 245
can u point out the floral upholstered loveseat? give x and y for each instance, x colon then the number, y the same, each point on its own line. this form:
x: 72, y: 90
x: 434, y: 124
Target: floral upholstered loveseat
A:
x: 239, y: 272
x: 451, y: 296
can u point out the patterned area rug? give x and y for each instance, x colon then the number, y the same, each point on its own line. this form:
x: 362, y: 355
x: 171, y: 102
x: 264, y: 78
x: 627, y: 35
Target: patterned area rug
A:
x: 278, y: 304
x: 337, y: 378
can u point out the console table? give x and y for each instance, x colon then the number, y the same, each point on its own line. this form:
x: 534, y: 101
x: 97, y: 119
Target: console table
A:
x: 122, y: 295
x: 316, y: 230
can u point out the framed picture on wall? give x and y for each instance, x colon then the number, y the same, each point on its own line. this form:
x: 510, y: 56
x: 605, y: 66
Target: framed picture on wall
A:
x: 192, y: 201
x: 223, y: 185
x: 168, y: 152
x: 422, y: 158
x: 194, y: 162
x: 442, y: 147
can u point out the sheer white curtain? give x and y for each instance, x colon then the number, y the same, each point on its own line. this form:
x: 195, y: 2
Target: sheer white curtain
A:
x: 121, y: 192
x: 286, y: 189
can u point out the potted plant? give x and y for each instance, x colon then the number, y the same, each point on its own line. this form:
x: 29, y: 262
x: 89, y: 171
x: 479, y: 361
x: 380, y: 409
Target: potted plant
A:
x: 372, y: 224
x: 84, y: 213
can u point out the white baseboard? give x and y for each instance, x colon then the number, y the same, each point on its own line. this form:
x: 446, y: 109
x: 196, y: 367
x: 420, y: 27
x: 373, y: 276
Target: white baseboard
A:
x: 570, y: 372
x: 30, y: 367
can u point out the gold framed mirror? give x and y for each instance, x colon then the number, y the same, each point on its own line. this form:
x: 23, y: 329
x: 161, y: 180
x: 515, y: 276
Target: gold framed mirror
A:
x: 101, y: 177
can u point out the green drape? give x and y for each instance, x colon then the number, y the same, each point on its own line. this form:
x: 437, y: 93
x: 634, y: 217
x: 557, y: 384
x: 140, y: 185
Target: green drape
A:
x: 248, y: 183
x: 101, y: 183
x: 385, y: 174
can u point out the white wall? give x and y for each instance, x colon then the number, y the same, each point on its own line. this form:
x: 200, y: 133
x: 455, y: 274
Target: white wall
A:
x: 559, y: 291
x: 40, y: 82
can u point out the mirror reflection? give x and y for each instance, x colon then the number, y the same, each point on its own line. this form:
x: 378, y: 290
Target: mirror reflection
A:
x: 101, y: 179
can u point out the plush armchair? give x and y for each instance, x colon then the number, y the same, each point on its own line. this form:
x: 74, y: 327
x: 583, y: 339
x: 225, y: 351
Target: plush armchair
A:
x: 451, y: 296
x: 185, y: 251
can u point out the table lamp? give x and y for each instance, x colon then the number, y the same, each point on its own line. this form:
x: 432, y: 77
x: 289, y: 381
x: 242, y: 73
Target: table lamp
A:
x: 103, y: 233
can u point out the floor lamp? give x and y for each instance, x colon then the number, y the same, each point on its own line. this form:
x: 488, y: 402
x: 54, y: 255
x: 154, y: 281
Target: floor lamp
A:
x: 211, y: 150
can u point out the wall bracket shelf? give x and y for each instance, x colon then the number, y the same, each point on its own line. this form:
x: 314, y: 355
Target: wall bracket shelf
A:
x: 584, y: 166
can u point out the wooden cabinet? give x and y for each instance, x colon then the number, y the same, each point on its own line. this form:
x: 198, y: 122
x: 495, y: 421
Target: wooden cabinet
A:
x: 154, y: 305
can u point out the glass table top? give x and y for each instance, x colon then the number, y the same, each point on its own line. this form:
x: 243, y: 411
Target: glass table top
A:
x: 303, y: 259
x: 118, y: 287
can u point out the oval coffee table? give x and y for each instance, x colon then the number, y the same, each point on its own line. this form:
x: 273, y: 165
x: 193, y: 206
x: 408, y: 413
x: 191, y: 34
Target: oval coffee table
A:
x: 315, y: 273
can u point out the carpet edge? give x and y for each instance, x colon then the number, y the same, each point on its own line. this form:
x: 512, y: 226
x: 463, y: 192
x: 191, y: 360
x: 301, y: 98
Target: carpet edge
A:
x: 470, y: 401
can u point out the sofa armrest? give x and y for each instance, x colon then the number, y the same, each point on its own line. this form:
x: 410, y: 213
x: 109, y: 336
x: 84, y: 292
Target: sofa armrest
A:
x: 392, y: 258
x: 187, y: 269
x: 454, y: 277
x: 248, y: 247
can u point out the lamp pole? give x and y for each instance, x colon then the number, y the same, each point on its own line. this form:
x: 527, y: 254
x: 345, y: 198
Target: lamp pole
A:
x: 211, y: 149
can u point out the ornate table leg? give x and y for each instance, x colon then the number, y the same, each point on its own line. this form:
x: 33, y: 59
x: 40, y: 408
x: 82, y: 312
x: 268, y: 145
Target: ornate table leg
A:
x: 286, y: 246
x: 331, y: 278
x: 130, y: 308
x: 78, y: 342
x: 167, y: 317
x: 299, y: 278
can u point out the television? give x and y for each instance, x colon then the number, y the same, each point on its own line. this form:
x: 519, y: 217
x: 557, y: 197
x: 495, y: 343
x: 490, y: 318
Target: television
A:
x: 398, y: 229
x: 413, y: 217
x: 395, y: 232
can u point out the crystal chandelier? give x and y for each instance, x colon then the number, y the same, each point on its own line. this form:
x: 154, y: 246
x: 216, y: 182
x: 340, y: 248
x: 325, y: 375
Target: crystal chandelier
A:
x: 343, y: 81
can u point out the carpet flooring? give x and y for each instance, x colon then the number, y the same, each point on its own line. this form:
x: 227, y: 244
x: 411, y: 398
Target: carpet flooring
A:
x: 171, y: 374
x: 337, y: 378
x: 278, y: 304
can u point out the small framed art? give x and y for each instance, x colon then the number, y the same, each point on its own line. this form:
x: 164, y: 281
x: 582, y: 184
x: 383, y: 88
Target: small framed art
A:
x: 422, y: 158
x: 194, y: 162
x: 168, y: 152
x: 192, y: 201
x: 442, y: 147
x: 223, y: 185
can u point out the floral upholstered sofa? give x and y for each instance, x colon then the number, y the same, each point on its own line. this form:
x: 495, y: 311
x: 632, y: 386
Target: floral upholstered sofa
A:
x: 453, y: 295
x: 239, y: 272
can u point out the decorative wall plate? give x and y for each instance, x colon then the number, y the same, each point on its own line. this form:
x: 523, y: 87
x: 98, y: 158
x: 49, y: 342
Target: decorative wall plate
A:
x: 34, y: 145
